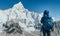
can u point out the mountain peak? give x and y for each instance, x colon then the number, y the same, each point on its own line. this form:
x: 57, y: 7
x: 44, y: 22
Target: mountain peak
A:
x: 18, y: 6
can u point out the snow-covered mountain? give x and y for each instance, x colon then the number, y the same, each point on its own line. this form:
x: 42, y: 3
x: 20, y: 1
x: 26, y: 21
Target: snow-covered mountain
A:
x: 23, y: 16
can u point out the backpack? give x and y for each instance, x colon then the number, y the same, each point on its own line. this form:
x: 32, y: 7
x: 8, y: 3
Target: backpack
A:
x: 50, y: 23
x: 47, y: 23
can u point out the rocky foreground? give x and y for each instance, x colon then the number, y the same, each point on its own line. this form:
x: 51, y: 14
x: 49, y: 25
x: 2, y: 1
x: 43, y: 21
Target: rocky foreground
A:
x: 35, y: 33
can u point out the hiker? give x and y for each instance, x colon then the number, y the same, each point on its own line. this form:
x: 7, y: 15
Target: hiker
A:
x: 47, y: 23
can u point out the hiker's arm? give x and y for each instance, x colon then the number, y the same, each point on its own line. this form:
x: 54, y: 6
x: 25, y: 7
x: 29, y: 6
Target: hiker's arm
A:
x: 42, y: 20
x: 41, y: 23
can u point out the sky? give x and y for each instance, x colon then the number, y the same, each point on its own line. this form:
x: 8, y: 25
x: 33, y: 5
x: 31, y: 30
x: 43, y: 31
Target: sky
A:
x: 53, y: 6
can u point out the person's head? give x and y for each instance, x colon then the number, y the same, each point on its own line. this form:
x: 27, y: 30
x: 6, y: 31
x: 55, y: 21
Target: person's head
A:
x: 46, y: 13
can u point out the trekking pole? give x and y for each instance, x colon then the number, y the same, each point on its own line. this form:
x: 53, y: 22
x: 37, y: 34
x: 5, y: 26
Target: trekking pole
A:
x: 40, y: 33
